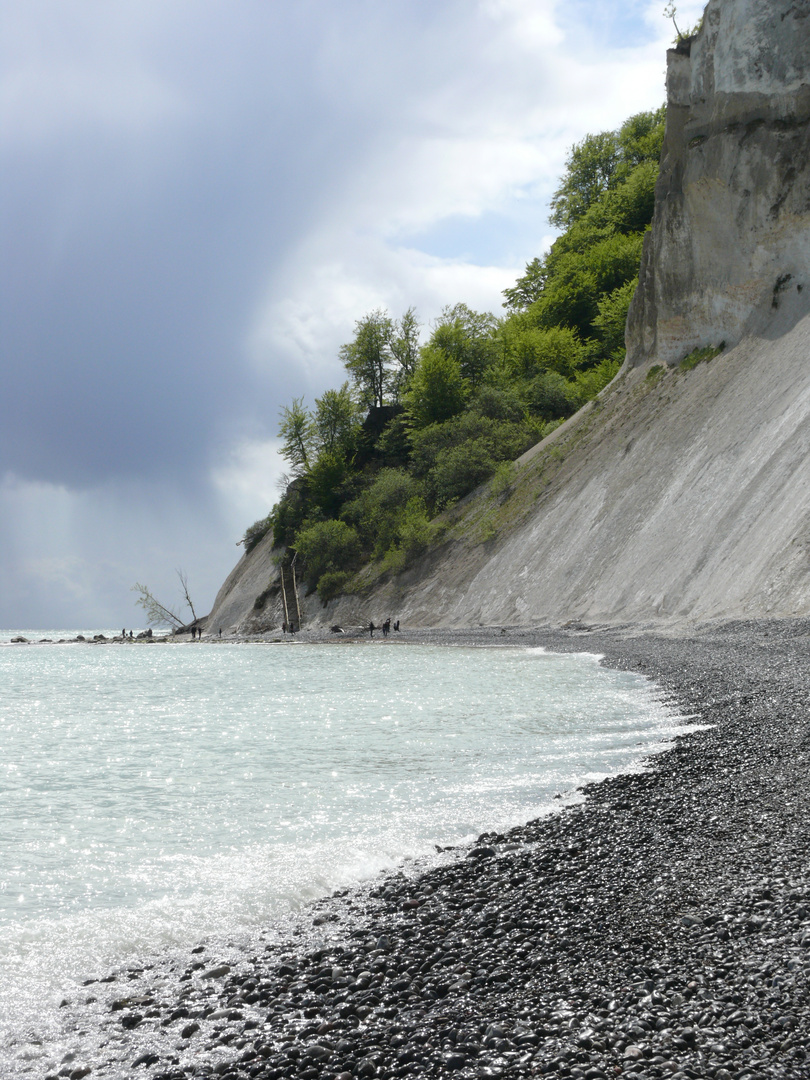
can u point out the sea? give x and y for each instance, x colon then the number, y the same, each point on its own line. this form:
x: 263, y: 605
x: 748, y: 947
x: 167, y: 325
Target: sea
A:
x: 156, y: 796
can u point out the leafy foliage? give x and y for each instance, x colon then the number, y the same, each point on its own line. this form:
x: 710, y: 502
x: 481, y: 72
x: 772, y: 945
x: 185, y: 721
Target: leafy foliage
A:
x: 327, y: 546
x: 453, y: 411
x: 701, y: 356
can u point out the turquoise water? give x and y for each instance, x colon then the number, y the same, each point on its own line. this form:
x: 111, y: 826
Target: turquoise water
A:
x: 153, y: 796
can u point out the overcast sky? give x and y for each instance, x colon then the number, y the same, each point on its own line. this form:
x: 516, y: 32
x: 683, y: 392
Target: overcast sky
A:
x: 200, y: 197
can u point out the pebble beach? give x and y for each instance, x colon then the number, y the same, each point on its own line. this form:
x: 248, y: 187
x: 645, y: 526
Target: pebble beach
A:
x: 658, y: 927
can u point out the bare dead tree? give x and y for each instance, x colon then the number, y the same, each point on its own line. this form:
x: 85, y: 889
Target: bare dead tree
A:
x: 157, y: 613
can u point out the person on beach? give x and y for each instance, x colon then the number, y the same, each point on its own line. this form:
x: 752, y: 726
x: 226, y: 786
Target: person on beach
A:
x: 371, y: 629
x: 396, y: 626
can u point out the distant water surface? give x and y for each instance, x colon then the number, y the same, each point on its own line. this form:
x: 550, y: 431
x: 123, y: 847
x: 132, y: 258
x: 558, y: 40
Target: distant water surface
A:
x: 151, y: 796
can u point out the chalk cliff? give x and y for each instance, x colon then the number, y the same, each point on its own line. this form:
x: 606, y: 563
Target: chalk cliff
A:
x: 682, y: 492
x: 730, y: 242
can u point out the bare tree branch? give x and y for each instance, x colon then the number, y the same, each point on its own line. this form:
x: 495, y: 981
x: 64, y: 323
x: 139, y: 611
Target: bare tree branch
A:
x: 184, y: 582
x: 157, y: 614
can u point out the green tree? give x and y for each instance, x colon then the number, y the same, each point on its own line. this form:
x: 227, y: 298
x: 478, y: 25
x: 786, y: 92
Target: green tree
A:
x: 529, y: 349
x: 327, y: 546
x: 297, y: 430
x: 527, y: 288
x: 369, y: 359
x: 405, y: 348
x: 612, y: 318
x: 589, y: 170
x: 336, y: 422
x: 437, y: 389
x: 325, y: 480
x: 600, y: 162
x: 469, y: 337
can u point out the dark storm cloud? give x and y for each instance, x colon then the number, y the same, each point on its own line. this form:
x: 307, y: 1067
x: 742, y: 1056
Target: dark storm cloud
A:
x: 142, y: 210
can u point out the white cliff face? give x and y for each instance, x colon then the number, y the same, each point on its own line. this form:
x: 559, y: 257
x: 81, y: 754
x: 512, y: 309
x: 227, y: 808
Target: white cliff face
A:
x: 254, y: 576
x: 730, y: 241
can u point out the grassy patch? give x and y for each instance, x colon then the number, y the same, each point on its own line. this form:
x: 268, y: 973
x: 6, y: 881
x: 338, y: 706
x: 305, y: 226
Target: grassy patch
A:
x: 503, y: 478
x: 701, y: 356
x: 655, y: 373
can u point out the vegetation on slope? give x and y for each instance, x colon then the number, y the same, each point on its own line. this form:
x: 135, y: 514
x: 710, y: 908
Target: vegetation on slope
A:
x: 420, y: 423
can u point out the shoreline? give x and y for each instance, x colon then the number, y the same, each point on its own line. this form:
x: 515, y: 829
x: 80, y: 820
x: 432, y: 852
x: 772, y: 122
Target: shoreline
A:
x: 659, y: 928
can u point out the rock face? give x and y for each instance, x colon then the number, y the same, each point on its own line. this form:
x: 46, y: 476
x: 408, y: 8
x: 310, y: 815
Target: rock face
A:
x: 249, y: 600
x: 682, y: 493
x: 730, y: 242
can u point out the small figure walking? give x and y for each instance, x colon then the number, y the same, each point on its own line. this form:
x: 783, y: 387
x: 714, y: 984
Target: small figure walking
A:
x: 371, y: 629
x: 396, y: 626
x: 194, y: 633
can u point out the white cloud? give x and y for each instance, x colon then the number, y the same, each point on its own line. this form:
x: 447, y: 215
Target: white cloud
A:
x: 247, y: 481
x: 485, y: 139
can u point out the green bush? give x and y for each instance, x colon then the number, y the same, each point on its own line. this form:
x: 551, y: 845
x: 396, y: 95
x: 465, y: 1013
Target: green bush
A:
x: 701, y: 356
x: 415, y: 532
x: 550, y: 396
x: 459, y: 470
x: 502, y: 478
x: 378, y: 510
x: 327, y: 545
x: 333, y: 583
x: 593, y: 380
x: 257, y: 532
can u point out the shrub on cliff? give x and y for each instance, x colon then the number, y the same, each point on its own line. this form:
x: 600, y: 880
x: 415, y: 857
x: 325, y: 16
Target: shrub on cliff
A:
x: 327, y: 546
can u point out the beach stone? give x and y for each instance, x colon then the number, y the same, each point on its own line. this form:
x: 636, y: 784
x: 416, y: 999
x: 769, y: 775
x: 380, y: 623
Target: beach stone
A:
x: 216, y: 972
x: 482, y: 853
